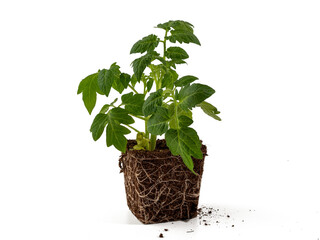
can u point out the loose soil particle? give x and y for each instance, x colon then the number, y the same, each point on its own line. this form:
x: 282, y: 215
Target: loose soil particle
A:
x: 208, y: 215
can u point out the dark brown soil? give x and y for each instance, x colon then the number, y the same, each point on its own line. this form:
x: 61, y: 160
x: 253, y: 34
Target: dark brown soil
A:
x: 159, y: 187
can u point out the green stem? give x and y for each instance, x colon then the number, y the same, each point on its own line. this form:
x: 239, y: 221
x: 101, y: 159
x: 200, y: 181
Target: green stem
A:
x: 175, y: 110
x: 153, y: 142
x: 132, y: 128
x: 144, y: 88
x: 147, y: 133
x: 165, y: 45
x: 153, y: 138
x: 142, y: 118
x: 132, y: 88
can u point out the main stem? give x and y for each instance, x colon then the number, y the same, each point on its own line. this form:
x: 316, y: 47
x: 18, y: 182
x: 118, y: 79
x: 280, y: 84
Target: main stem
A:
x: 147, y: 133
x: 175, y: 109
x: 153, y: 139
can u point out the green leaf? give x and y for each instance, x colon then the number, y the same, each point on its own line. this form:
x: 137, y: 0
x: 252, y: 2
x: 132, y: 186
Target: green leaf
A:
x: 125, y: 79
x: 184, y: 121
x: 191, y: 95
x: 149, y: 84
x: 152, y: 102
x: 121, y: 82
x: 106, y: 107
x: 178, y: 25
x: 182, y: 25
x: 180, y: 112
x: 98, y: 125
x: 114, y: 101
x: 158, y: 122
x: 120, y: 115
x: 210, y: 110
x: 115, y: 131
x: 89, y: 89
x: 185, y: 81
x: 148, y: 43
x: 183, y: 37
x: 133, y: 103
x: 184, y: 142
x: 140, y: 64
x: 115, y: 135
x: 176, y: 53
x: 106, y: 78
x: 169, y: 78
x: 133, y: 80
x: 166, y: 26
x: 175, y: 61
x: 186, y: 158
x: 117, y: 85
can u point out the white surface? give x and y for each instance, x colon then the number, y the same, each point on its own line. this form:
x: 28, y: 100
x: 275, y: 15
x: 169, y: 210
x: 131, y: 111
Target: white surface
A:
x: 262, y: 57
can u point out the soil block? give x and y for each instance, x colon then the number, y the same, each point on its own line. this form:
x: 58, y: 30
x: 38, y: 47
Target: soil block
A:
x: 159, y: 187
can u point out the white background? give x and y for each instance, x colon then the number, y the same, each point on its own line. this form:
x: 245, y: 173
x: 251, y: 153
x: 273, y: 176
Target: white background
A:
x: 261, y: 57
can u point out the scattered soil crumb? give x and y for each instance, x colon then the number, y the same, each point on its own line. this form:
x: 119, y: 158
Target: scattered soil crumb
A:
x: 166, y: 230
x: 207, y: 216
x: 161, y: 235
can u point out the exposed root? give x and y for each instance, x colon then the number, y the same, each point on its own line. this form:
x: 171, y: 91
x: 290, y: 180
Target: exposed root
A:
x: 159, y: 186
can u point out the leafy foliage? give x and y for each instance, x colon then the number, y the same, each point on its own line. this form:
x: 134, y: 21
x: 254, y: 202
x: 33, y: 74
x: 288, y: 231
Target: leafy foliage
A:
x: 177, y: 53
x: 115, y: 131
x: 98, y: 125
x: 176, y: 112
x: 158, y: 122
x: 115, y: 135
x: 152, y: 102
x: 185, y: 81
x: 209, y: 109
x: 184, y: 142
x: 183, y: 37
x: 148, y: 43
x: 191, y: 95
x: 140, y: 64
x: 107, y: 77
x: 178, y: 24
x: 133, y: 103
x: 169, y: 78
x: 165, y: 104
x: 89, y: 89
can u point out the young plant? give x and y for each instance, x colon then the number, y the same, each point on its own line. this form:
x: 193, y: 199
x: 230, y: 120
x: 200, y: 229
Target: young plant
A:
x: 165, y: 103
